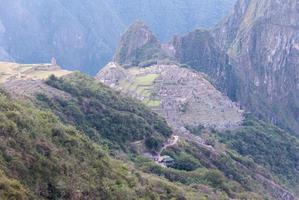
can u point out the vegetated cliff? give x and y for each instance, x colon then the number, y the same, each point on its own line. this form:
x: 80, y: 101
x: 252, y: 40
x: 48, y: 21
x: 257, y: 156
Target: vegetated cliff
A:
x: 258, y: 66
x: 199, y: 50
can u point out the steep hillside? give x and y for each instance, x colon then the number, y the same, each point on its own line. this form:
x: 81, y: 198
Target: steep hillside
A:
x: 253, y: 57
x: 193, y: 108
x: 209, y: 127
x: 78, y: 34
x: 43, y: 159
x: 261, y: 166
x: 33, y: 139
x: 199, y: 50
x: 104, y: 115
x: 205, y: 167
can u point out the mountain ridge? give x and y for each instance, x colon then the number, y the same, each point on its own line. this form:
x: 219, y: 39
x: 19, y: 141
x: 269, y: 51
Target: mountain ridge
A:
x: 80, y: 35
x: 252, y: 56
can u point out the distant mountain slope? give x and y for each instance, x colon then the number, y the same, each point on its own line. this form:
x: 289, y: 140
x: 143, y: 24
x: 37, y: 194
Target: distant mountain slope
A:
x: 253, y: 57
x: 83, y: 36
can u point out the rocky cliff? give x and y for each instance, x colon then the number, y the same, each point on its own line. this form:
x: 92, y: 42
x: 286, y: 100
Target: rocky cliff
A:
x: 83, y: 35
x: 138, y: 46
x: 188, y: 102
x: 260, y: 41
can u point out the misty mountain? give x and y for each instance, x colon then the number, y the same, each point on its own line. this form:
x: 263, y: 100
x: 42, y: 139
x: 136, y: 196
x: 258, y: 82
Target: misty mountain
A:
x: 252, y: 56
x: 83, y: 36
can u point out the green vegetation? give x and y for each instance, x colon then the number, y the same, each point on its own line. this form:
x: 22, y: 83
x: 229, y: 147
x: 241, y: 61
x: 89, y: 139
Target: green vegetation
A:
x: 258, y: 146
x: 144, y: 56
x: 11, y: 188
x: 147, y: 79
x: 268, y: 146
x: 40, y: 158
x: 143, y: 85
x: 43, y: 156
x: 153, y: 103
x: 102, y: 113
x: 193, y: 158
x: 210, y: 178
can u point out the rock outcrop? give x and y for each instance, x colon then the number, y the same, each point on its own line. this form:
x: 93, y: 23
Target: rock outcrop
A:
x: 253, y: 56
x: 83, y: 35
x: 138, y: 45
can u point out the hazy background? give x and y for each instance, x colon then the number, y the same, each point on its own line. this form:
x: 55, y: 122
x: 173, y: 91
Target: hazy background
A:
x: 82, y: 34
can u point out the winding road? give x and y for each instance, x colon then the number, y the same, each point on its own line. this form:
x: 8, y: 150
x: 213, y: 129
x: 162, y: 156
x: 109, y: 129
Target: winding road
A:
x: 171, y: 142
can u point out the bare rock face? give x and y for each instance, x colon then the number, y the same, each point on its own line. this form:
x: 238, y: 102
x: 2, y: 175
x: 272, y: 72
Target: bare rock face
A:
x: 83, y: 35
x: 261, y: 43
x: 265, y: 53
x: 199, y: 50
x: 184, y: 97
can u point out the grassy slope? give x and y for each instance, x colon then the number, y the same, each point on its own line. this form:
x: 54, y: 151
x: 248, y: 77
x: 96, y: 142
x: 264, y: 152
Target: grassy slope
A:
x: 40, y: 158
x: 269, y: 146
x: 33, y: 139
x: 143, y: 86
x: 85, y: 115
x: 103, y: 113
x: 255, y: 143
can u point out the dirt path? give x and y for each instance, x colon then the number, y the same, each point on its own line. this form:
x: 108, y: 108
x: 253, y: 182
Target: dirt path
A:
x: 173, y: 141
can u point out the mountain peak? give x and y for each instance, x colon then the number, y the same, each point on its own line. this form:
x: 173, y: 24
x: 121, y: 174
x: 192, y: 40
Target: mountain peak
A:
x: 139, y: 25
x: 138, y: 45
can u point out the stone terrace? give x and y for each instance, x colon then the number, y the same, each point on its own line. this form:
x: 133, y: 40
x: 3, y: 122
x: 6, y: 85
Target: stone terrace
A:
x: 184, y: 97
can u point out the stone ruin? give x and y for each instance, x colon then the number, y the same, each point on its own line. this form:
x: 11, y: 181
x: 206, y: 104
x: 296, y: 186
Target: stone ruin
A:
x: 187, y: 97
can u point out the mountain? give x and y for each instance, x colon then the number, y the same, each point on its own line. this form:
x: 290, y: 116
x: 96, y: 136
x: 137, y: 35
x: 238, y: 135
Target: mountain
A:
x: 79, y: 35
x: 54, y: 138
x: 252, y: 56
x: 236, y: 143
x: 138, y: 46
x: 80, y: 128
x: 193, y: 118
x: 43, y: 158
